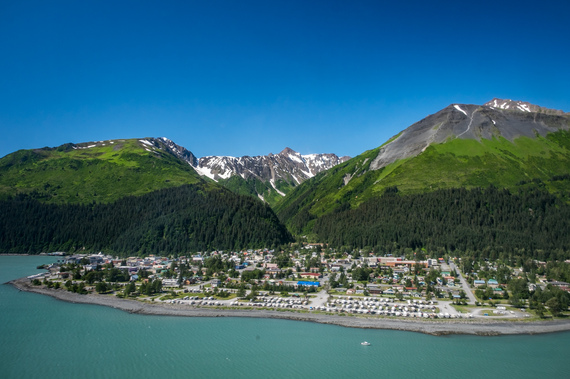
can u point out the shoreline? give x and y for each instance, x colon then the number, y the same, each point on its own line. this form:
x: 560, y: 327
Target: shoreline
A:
x: 436, y: 328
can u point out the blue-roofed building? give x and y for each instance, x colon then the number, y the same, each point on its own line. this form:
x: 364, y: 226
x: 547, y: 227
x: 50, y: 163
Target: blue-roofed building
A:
x: 305, y: 283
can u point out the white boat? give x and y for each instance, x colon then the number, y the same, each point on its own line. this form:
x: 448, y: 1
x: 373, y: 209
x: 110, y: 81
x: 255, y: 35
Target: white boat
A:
x: 365, y: 343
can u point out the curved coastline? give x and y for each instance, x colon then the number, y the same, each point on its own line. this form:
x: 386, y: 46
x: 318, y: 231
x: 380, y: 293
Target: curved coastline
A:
x: 432, y: 327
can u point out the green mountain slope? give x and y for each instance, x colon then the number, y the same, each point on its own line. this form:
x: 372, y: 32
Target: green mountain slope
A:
x: 458, y: 147
x: 100, y: 171
x: 134, y: 196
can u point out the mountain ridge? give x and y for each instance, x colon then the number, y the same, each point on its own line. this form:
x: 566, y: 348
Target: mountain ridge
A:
x: 268, y: 177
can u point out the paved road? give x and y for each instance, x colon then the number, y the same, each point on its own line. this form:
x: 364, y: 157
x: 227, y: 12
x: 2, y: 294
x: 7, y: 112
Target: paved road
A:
x: 464, y: 284
x: 445, y: 307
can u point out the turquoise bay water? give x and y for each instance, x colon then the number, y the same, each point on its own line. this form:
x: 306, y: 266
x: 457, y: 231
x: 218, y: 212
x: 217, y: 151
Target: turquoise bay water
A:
x: 47, y: 338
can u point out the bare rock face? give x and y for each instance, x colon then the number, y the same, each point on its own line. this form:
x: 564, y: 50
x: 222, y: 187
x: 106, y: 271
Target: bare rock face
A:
x: 181, y: 152
x: 497, y: 118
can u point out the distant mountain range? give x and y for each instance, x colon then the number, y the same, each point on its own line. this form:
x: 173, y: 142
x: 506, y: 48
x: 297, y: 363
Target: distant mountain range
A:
x: 505, y: 144
x: 149, y: 164
x: 269, y: 177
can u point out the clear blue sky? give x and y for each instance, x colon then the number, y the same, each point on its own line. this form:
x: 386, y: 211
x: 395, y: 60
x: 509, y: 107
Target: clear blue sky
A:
x: 253, y: 77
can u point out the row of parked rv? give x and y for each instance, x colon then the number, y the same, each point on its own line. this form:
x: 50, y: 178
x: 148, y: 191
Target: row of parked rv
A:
x: 274, y: 302
x: 196, y: 300
x: 366, y: 305
x: 386, y: 307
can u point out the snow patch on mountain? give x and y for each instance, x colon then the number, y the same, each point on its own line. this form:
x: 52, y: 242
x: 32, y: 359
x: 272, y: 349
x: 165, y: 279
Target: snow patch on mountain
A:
x: 272, y: 181
x: 520, y: 106
x: 460, y: 110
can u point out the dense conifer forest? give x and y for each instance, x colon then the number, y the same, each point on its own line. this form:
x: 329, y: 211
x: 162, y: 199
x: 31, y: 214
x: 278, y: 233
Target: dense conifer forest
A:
x: 175, y: 221
x: 484, y: 223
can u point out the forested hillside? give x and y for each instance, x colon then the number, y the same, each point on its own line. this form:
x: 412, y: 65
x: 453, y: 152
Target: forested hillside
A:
x: 175, y: 221
x: 485, y: 223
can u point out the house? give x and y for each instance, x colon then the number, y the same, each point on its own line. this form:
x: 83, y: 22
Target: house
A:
x: 373, y: 289
x: 479, y: 283
x: 492, y: 283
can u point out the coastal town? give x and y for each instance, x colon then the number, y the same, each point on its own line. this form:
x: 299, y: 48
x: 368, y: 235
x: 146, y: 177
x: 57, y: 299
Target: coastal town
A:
x: 312, y: 278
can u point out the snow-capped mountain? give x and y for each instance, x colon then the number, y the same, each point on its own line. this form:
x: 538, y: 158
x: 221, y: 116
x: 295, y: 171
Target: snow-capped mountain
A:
x: 288, y: 165
x: 276, y: 173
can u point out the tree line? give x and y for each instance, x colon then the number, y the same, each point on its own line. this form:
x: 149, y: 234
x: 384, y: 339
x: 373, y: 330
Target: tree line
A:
x: 483, y: 223
x: 169, y: 221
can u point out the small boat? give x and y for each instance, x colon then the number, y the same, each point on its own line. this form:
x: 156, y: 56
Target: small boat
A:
x: 365, y: 343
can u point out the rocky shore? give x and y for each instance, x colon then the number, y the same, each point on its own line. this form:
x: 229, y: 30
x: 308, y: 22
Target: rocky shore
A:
x: 433, y: 327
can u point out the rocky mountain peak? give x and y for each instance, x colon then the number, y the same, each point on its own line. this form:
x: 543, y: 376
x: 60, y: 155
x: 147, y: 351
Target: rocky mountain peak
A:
x: 497, y: 118
x: 288, y: 151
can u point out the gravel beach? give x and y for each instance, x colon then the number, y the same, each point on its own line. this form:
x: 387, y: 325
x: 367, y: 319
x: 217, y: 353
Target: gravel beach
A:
x: 433, y: 327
